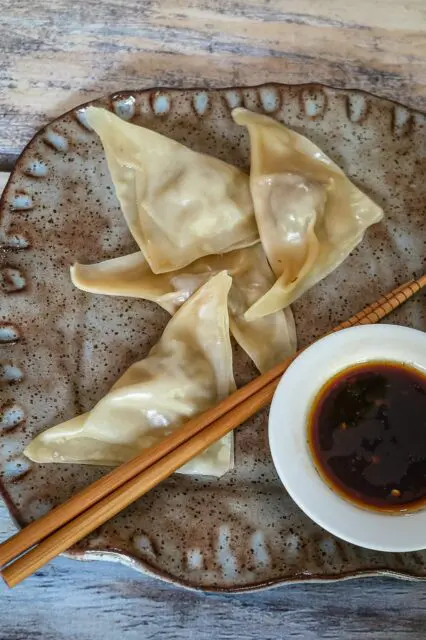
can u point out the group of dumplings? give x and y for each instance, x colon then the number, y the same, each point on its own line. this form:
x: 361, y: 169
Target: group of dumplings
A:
x: 221, y: 252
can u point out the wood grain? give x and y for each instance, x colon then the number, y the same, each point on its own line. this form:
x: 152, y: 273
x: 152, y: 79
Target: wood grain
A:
x: 4, y: 177
x: 56, y: 55
x: 102, y: 601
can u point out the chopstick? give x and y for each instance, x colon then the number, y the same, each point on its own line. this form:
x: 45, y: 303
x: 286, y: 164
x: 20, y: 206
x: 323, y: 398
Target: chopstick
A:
x: 70, y: 522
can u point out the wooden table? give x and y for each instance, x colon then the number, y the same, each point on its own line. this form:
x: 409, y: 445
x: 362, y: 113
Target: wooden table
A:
x: 102, y: 601
x: 58, y: 54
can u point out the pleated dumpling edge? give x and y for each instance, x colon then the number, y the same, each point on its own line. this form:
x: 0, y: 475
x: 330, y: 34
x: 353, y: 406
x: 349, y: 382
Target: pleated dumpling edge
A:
x: 310, y: 216
x: 267, y: 340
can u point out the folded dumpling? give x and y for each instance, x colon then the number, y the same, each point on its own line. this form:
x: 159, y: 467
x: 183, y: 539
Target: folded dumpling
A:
x: 267, y: 340
x: 310, y: 216
x: 179, y: 205
x: 186, y: 372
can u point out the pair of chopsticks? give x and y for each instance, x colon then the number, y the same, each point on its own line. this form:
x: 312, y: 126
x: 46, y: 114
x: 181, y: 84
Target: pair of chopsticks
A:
x: 68, y: 523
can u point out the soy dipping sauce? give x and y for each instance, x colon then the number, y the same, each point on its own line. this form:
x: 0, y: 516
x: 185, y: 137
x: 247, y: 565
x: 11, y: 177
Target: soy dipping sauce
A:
x: 367, y: 435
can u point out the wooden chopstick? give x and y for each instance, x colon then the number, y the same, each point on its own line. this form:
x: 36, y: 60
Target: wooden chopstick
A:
x: 99, y: 502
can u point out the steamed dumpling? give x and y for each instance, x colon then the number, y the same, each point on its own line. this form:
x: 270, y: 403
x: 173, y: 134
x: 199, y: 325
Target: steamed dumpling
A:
x: 310, y: 216
x: 179, y: 205
x: 185, y: 373
x: 267, y: 340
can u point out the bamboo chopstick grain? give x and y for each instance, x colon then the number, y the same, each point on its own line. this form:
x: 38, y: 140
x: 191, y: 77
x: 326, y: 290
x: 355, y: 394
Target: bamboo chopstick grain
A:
x: 68, y: 523
x: 41, y: 528
x: 112, y: 504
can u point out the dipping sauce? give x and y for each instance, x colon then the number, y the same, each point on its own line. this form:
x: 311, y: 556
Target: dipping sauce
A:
x: 367, y: 435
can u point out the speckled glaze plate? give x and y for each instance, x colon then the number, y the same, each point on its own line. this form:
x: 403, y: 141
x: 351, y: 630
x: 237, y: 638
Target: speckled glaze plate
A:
x: 61, y: 349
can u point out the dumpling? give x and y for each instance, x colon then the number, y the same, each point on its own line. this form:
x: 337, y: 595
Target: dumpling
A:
x: 179, y: 205
x: 186, y: 372
x: 310, y: 216
x: 267, y: 340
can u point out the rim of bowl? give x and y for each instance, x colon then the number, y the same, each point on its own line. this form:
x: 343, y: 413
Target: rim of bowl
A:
x: 288, y: 435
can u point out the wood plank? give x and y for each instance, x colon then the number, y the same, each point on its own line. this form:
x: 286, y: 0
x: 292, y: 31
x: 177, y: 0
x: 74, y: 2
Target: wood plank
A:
x: 56, y: 55
x: 101, y: 601
x: 4, y: 177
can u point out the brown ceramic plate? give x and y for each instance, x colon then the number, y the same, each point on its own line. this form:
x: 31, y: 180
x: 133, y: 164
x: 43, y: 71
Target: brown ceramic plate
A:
x: 61, y: 349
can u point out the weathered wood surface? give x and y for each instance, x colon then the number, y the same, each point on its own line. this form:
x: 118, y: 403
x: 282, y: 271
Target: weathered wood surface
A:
x: 102, y: 601
x: 58, y: 54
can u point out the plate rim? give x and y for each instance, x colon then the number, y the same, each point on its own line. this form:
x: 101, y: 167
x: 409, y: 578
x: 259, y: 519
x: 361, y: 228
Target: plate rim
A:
x: 123, y: 557
x: 193, y: 89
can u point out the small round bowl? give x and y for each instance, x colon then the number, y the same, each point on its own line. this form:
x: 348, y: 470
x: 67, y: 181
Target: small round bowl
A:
x: 288, y: 424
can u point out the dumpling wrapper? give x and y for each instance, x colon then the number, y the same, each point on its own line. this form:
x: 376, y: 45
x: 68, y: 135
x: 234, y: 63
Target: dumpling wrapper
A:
x: 179, y: 205
x: 310, y: 216
x: 267, y: 340
x: 185, y: 373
